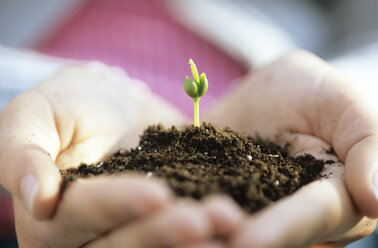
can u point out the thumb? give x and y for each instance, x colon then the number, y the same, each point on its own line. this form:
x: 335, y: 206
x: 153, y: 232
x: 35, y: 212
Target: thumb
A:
x: 30, y: 174
x: 361, y: 175
x: 28, y: 142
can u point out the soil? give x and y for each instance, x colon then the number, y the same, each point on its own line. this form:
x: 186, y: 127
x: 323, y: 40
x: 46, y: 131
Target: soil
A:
x: 197, y: 161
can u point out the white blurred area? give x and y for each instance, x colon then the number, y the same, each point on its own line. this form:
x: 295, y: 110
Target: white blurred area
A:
x: 22, y: 23
x: 343, y: 32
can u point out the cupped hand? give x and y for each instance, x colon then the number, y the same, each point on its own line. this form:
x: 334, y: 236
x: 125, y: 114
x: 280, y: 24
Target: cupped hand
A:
x: 302, y: 100
x: 82, y: 114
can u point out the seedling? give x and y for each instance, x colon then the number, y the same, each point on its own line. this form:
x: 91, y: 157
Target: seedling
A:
x: 195, y: 89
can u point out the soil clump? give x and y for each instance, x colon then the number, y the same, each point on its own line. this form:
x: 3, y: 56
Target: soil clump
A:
x: 197, y: 161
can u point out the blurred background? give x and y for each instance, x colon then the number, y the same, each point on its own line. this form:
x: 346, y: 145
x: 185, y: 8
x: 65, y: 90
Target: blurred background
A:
x: 152, y: 39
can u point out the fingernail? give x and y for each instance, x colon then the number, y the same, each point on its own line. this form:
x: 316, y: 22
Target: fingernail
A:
x: 375, y: 184
x: 29, y: 188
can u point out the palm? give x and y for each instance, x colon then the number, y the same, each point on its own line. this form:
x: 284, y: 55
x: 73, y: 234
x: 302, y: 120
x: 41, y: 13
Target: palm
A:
x: 95, y: 113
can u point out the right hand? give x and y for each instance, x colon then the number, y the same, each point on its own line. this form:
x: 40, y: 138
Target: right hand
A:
x: 303, y: 101
x: 82, y: 114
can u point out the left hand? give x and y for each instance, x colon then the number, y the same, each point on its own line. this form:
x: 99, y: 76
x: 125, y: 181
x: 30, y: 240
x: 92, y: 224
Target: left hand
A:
x: 81, y: 114
x: 303, y: 100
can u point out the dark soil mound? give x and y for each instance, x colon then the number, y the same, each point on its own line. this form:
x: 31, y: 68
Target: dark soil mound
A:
x: 199, y: 161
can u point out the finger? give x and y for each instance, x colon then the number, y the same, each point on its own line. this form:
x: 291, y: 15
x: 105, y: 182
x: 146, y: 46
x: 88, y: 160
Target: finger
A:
x: 34, y: 179
x: 178, y: 225
x: 326, y: 245
x: 225, y: 215
x: 208, y: 244
x: 27, y: 148
x: 99, y: 204
x: 317, y: 212
x: 361, y: 174
x: 92, y: 207
x: 364, y: 228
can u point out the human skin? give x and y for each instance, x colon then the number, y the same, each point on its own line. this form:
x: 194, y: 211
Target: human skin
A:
x: 82, y: 114
x: 60, y: 122
x: 303, y: 100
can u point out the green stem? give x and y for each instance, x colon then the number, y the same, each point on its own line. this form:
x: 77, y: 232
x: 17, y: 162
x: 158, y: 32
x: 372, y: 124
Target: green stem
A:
x: 196, y: 112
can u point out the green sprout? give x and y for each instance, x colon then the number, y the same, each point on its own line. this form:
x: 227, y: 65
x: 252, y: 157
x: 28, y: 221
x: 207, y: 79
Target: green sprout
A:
x: 195, y: 89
